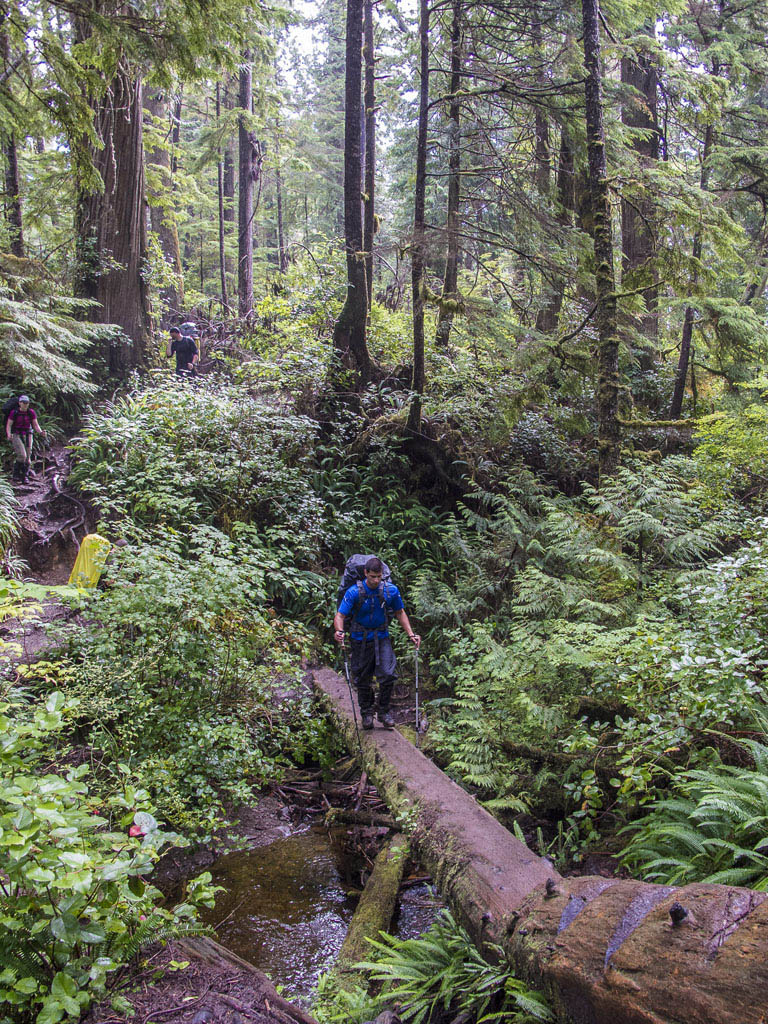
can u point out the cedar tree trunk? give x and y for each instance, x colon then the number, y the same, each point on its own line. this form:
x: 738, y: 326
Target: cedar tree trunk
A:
x: 605, y: 950
x: 111, y: 226
x: 220, y: 186
x: 349, y: 340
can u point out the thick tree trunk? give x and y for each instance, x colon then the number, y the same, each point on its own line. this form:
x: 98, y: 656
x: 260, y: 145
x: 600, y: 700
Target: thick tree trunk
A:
x: 245, y: 195
x: 111, y: 226
x: 369, y: 220
x: 676, y: 406
x: 606, y: 950
x: 638, y: 217
x: 220, y: 187
x: 419, y: 202
x: 349, y: 339
x: 374, y: 911
x: 451, y: 276
x: 602, y: 235
x: 13, y: 215
x: 161, y: 213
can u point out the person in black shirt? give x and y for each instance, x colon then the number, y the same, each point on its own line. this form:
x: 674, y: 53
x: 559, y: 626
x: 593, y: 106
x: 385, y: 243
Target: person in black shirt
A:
x: 185, y: 350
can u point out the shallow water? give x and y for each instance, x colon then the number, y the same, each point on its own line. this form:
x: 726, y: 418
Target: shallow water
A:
x: 286, y: 908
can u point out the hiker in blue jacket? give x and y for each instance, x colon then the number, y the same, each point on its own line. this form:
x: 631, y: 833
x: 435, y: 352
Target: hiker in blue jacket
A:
x: 372, y: 652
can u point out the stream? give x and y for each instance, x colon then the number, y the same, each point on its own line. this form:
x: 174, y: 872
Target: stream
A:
x: 287, y: 906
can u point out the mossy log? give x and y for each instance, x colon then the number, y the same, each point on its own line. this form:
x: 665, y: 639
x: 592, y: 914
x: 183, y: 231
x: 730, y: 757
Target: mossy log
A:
x: 374, y: 911
x: 606, y: 950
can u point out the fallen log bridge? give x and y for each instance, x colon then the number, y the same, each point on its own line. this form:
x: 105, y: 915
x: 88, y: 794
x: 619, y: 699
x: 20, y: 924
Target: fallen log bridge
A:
x: 605, y: 950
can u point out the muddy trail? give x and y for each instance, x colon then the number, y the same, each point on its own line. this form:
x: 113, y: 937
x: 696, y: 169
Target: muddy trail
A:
x: 54, y: 519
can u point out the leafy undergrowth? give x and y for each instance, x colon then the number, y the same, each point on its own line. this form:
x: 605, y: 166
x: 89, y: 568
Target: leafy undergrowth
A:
x: 440, y: 976
x: 589, y: 652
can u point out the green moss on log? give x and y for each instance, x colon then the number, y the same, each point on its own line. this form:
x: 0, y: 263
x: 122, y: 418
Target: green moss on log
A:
x: 374, y: 911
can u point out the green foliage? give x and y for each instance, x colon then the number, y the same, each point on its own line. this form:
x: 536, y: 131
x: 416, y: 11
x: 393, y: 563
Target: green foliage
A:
x: 75, y: 905
x: 712, y: 829
x: 170, y: 456
x: 42, y: 336
x: 177, y: 669
x: 444, y: 969
x: 731, y: 452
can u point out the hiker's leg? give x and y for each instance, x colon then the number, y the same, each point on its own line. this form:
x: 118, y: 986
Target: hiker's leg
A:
x: 20, y: 451
x: 363, y: 667
x: 19, y: 448
x: 386, y: 671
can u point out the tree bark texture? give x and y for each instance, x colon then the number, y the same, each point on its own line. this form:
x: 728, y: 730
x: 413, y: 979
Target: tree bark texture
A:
x: 602, y: 236
x: 220, y: 189
x: 369, y: 209
x: 245, y: 193
x: 681, y: 376
x: 419, y: 203
x: 638, y: 241
x: 349, y: 332
x: 13, y: 218
x: 373, y: 913
x: 161, y: 214
x: 451, y: 275
x: 13, y: 215
x: 112, y: 226
x: 605, y: 950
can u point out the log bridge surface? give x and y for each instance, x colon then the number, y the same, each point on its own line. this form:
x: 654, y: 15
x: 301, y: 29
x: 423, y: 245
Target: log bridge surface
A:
x: 606, y: 950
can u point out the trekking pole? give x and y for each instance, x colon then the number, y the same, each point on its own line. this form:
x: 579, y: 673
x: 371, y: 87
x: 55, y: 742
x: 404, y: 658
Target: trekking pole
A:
x: 354, y: 711
x: 416, y: 668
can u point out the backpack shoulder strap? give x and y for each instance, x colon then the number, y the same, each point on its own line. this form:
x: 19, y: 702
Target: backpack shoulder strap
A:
x: 358, y: 605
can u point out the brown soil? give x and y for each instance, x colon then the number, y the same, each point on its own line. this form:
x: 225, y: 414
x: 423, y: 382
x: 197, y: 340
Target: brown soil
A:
x: 53, y: 518
x: 197, y: 993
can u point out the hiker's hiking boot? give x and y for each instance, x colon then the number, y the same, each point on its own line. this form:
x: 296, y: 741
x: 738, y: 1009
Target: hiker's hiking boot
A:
x: 386, y: 719
x: 367, y: 720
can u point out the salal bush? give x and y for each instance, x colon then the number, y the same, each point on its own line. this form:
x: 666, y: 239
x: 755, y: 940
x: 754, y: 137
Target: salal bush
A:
x: 177, y: 454
x: 75, y: 905
x: 185, y: 672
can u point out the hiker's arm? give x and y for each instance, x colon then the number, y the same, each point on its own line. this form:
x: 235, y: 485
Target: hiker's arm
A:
x: 404, y: 621
x: 169, y: 349
x: 338, y: 628
x: 196, y: 356
x: 36, y: 426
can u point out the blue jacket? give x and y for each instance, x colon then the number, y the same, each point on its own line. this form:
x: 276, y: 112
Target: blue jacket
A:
x: 370, y: 615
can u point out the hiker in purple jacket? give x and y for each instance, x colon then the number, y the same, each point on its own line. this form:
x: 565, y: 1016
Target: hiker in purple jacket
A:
x: 18, y: 429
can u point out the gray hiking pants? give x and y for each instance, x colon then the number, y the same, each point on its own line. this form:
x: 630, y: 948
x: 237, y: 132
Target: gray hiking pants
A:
x: 366, y: 663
